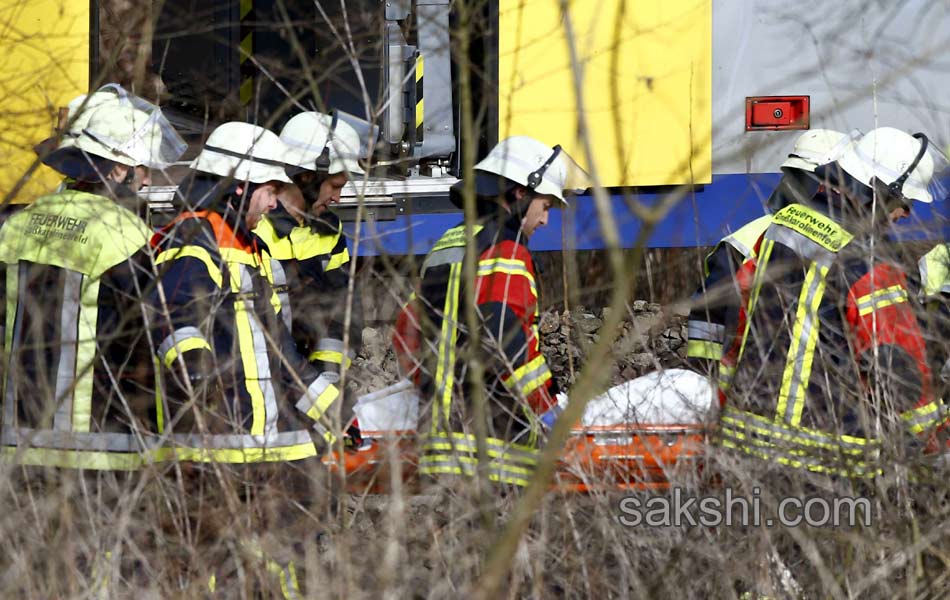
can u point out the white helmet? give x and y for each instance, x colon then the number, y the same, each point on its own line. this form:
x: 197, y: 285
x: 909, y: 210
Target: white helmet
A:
x: 113, y: 131
x: 533, y: 164
x: 244, y: 152
x: 81, y: 108
x: 894, y: 158
x: 320, y: 142
x: 163, y: 149
x: 119, y: 133
x: 818, y: 147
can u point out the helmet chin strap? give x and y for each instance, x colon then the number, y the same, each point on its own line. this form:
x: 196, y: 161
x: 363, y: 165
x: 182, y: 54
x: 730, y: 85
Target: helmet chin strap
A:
x: 129, y: 177
x: 535, y: 177
x: 309, y: 189
x: 896, y: 187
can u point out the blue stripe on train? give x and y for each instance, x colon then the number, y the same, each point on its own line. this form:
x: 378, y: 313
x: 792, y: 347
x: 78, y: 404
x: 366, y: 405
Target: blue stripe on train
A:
x: 699, y: 219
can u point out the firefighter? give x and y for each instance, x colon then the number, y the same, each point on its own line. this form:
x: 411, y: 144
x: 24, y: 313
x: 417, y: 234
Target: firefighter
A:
x: 716, y: 316
x: 515, y: 186
x: 233, y: 384
x: 75, y: 269
x: 934, y: 293
x: 234, y: 389
x: 309, y: 255
x: 826, y: 310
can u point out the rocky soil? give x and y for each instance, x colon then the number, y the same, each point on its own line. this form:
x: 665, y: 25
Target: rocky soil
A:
x: 650, y: 338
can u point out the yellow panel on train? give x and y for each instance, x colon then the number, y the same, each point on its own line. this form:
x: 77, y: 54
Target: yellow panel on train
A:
x: 44, y: 63
x: 646, y: 81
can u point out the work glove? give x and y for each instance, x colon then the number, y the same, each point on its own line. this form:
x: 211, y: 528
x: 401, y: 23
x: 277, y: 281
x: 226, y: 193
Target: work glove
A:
x: 549, y: 417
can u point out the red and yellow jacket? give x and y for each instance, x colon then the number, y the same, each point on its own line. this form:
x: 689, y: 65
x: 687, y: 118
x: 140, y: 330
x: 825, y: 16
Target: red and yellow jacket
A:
x: 821, y: 317
x: 431, y: 342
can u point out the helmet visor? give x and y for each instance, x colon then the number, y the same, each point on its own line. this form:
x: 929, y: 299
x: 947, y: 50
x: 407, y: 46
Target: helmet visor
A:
x: 155, y: 144
x: 368, y: 132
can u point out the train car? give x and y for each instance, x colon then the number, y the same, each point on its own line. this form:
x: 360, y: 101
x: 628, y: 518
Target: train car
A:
x: 683, y: 110
x: 47, y: 52
x: 700, y: 97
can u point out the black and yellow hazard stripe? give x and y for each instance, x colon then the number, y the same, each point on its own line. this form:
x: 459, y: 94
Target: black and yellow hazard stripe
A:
x: 246, y: 50
x: 420, y: 100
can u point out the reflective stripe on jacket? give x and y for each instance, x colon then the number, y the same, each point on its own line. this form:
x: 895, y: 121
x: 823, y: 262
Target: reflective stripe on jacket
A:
x: 75, y: 265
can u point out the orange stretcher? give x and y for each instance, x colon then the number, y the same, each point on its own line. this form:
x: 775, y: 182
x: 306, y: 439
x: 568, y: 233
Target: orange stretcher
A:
x: 596, y: 458
x: 639, y: 435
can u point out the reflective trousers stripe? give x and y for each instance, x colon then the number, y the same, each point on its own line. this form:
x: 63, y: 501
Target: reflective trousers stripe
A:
x: 287, y: 575
x: 329, y: 344
x: 69, y: 440
x: 185, y: 346
x: 331, y: 350
x: 451, y: 465
x: 330, y: 357
x: 457, y: 454
x: 111, y: 451
x: 236, y: 448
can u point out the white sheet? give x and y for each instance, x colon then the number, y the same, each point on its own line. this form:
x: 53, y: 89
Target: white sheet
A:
x: 670, y: 397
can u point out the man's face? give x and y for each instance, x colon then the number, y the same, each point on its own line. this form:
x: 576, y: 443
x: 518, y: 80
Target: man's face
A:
x: 262, y: 201
x: 901, y: 212
x: 329, y: 193
x: 141, y: 176
x: 537, y: 214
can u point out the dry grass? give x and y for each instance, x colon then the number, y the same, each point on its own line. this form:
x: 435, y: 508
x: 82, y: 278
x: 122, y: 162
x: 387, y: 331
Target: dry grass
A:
x: 163, y: 532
